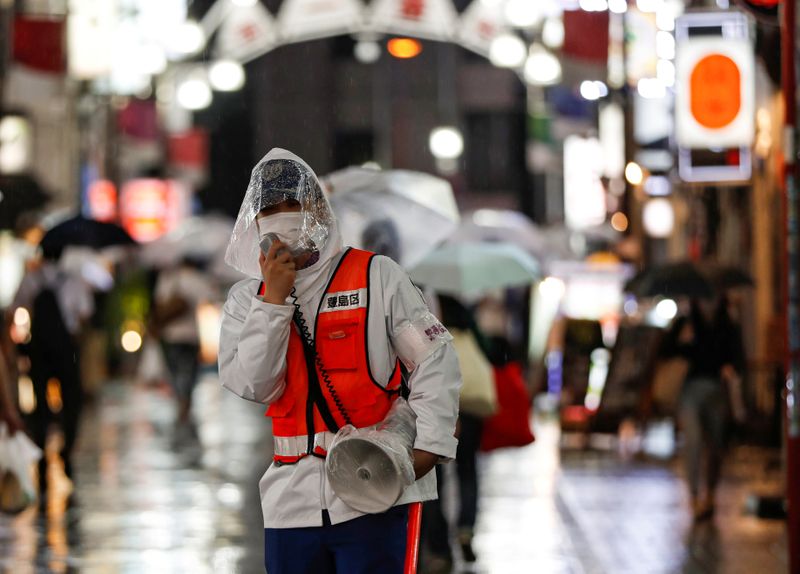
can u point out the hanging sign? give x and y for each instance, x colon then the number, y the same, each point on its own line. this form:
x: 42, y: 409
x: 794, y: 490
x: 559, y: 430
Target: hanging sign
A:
x: 90, y: 31
x: 480, y: 24
x: 301, y: 20
x: 16, y: 144
x: 715, y: 93
x: 584, y: 196
x: 433, y: 19
x: 38, y: 42
x: 246, y: 33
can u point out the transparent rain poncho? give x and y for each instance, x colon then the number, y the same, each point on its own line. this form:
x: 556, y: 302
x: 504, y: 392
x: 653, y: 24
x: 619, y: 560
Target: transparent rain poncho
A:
x: 279, y: 176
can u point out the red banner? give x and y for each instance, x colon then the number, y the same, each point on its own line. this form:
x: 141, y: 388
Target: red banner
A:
x: 586, y: 35
x: 40, y: 43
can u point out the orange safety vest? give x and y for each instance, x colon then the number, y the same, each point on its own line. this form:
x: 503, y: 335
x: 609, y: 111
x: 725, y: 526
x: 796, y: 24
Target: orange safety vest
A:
x: 311, y: 410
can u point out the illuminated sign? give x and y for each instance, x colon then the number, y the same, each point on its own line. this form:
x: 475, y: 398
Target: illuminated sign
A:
x: 101, y: 196
x: 90, y: 31
x: 149, y: 208
x: 16, y: 143
x: 714, y: 97
x: 584, y: 195
x: 715, y: 93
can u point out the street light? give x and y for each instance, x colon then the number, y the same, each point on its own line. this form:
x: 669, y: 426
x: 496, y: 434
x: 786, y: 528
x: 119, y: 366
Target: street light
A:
x: 507, y: 51
x: 593, y: 90
x: 522, y: 13
x: 553, y: 33
x: 194, y: 93
x: 618, y: 6
x: 226, y: 75
x: 633, y: 173
x: 658, y: 217
x: 189, y: 39
x: 542, y: 68
x: 446, y: 142
x: 367, y: 51
x: 151, y: 60
x: 404, y: 48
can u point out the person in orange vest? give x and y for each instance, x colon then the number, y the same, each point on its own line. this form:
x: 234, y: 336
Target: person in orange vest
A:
x: 328, y: 336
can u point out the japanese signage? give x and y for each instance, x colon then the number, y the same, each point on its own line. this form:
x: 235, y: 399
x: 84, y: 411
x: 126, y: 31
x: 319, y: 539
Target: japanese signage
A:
x: 309, y: 19
x: 344, y: 301
x: 246, y: 33
x: 433, y: 19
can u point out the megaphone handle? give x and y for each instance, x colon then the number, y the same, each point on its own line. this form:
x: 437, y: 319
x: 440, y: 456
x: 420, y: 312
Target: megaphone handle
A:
x: 412, y: 538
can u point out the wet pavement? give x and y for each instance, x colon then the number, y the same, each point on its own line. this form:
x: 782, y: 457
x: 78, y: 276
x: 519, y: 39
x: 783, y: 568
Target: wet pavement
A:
x: 153, y: 500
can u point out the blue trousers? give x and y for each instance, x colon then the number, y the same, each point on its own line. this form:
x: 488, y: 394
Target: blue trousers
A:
x: 370, y: 544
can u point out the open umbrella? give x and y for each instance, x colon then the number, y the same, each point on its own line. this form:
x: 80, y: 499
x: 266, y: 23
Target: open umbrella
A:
x: 202, y: 237
x: 83, y: 232
x: 547, y: 244
x: 402, y: 214
x: 671, y: 280
x: 727, y: 277
x: 468, y: 269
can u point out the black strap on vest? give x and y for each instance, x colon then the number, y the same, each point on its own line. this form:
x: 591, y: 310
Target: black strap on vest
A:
x: 315, y: 396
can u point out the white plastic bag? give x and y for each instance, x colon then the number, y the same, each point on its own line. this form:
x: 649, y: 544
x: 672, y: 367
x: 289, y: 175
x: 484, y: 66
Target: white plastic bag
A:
x: 369, y: 468
x: 152, y: 366
x: 17, y: 454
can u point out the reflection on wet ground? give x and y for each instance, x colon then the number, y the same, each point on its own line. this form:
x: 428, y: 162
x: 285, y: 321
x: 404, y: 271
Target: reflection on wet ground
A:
x: 150, y: 500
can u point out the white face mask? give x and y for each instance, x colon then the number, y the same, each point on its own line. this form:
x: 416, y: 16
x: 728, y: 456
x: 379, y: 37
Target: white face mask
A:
x: 286, y: 225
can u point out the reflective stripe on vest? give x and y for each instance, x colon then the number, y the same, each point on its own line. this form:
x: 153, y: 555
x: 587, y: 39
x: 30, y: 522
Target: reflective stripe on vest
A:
x: 347, y: 385
x: 292, y: 448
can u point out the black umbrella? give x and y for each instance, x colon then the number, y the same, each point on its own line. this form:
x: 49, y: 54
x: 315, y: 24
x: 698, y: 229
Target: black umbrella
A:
x: 726, y: 277
x: 671, y: 280
x: 80, y: 231
x: 18, y: 194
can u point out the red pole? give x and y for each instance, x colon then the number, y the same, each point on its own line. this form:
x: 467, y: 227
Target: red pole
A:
x: 791, y: 296
x: 412, y: 538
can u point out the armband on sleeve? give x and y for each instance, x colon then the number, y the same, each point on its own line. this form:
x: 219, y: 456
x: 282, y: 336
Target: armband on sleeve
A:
x: 418, y: 339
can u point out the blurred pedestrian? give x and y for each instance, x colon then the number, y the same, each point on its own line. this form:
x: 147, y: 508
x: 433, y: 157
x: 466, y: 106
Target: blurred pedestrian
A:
x: 382, y: 237
x: 9, y: 413
x: 178, y: 293
x: 477, y: 401
x: 294, y: 337
x: 59, y: 304
x: 711, y: 344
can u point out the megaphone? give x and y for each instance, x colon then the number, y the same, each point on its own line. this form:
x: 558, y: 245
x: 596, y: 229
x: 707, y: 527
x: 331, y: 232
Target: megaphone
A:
x: 370, y: 468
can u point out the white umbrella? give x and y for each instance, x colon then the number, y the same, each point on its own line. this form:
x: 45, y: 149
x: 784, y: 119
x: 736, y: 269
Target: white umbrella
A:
x: 201, y: 237
x: 403, y: 214
x: 509, y: 226
x: 468, y: 269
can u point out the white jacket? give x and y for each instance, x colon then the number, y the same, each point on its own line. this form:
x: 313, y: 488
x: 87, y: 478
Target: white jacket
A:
x: 252, y: 364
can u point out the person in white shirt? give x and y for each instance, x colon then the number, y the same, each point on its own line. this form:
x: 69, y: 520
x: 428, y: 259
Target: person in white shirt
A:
x: 289, y: 310
x: 178, y: 293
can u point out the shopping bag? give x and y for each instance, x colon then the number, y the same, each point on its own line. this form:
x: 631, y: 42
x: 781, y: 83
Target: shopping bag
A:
x: 478, y: 395
x: 510, y: 425
x: 17, y: 454
x: 152, y: 367
x: 668, y: 378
